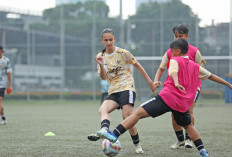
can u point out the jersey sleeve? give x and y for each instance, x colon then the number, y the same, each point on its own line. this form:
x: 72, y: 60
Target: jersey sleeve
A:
x: 164, y: 61
x: 203, y: 73
x: 173, y: 67
x: 199, y: 59
x: 129, y: 57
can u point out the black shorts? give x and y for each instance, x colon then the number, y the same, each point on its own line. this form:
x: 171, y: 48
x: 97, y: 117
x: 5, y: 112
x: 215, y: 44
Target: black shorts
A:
x: 2, y: 92
x: 123, y: 98
x: 156, y: 107
x: 197, y: 95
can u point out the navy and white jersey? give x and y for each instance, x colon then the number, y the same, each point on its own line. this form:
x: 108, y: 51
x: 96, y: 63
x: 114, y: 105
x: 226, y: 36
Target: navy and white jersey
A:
x: 5, y: 68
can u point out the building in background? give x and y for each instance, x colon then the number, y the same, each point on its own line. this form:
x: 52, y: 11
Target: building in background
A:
x: 58, y: 2
x: 139, y: 2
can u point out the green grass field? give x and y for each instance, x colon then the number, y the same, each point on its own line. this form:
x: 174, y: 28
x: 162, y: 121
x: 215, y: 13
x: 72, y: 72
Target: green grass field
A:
x: 23, y: 136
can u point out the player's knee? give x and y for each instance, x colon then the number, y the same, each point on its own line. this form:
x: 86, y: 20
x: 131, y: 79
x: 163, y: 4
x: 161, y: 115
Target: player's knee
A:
x: 101, y: 110
x: 186, y: 127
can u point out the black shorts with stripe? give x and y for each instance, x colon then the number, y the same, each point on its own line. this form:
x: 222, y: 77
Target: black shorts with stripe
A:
x: 123, y: 98
x: 2, y: 92
x: 197, y: 95
x: 156, y: 107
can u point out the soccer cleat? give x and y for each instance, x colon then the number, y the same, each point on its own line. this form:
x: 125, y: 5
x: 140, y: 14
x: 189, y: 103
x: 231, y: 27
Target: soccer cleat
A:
x: 177, y: 145
x: 107, y: 134
x: 188, y: 143
x: 138, y: 149
x: 204, y: 154
x: 3, y: 122
x: 93, y: 137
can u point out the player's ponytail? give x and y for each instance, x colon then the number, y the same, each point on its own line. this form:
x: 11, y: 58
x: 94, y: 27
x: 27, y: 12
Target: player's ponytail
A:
x: 103, y: 51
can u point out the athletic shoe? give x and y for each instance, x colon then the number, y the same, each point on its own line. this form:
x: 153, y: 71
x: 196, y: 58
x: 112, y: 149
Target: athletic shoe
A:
x: 204, y: 154
x: 93, y: 137
x: 188, y: 143
x: 3, y: 122
x: 138, y: 149
x: 177, y: 145
x: 107, y: 134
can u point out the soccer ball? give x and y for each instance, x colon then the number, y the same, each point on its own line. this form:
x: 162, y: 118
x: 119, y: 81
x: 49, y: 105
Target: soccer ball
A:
x: 109, y: 148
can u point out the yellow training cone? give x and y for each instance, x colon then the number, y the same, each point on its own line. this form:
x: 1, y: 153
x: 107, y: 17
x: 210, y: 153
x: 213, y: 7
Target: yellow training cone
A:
x: 49, y: 134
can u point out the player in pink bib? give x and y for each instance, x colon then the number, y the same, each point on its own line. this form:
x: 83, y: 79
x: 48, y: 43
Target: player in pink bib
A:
x: 177, y: 96
x: 181, y: 32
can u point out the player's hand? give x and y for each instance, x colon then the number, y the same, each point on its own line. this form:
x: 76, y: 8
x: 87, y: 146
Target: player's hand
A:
x: 99, y: 60
x: 152, y: 87
x: 158, y: 83
x: 180, y: 87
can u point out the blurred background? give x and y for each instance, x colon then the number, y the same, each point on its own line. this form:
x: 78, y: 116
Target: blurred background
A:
x: 52, y: 43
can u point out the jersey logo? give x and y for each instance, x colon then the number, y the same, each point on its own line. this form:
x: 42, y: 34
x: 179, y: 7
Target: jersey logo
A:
x: 115, y: 71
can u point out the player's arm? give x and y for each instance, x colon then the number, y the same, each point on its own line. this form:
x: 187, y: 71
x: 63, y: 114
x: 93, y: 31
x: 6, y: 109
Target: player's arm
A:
x: 158, y: 75
x: 131, y: 60
x: 101, y: 70
x: 205, y: 74
x: 9, y: 71
x: 102, y: 73
x: 172, y: 72
x: 9, y: 81
x: 199, y: 59
x: 145, y: 75
x: 160, y: 70
x: 217, y: 79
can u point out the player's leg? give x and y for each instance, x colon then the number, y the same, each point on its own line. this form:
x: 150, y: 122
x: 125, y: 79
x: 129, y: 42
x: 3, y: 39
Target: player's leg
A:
x: 188, y: 142
x: 3, y: 117
x: 194, y: 135
x: 127, y: 124
x: 184, y: 119
x: 178, y: 129
x: 153, y: 107
x: 126, y: 112
x: 126, y: 101
x: 107, y: 107
x: 177, y: 122
x: 179, y: 134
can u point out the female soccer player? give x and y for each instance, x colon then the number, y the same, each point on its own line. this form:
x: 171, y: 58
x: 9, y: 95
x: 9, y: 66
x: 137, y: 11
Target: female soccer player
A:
x: 177, y: 96
x: 181, y: 32
x: 114, y: 66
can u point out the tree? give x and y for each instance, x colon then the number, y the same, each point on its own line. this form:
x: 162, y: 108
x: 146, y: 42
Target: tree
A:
x: 78, y: 19
x: 154, y: 21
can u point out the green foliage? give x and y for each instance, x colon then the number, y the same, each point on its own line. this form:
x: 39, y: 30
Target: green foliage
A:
x: 173, y: 13
x: 77, y: 18
x: 155, y: 21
